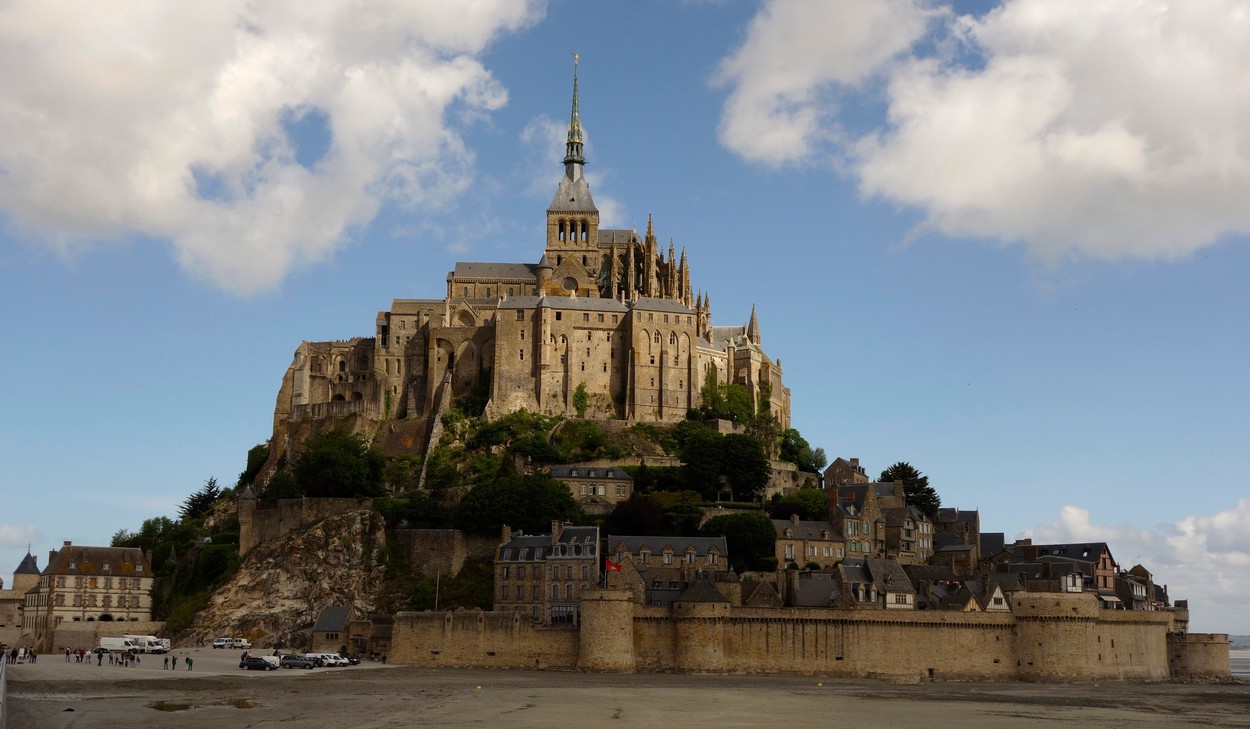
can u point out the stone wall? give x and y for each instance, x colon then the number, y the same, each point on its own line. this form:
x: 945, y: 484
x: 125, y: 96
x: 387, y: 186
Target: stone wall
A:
x: 74, y: 635
x: 443, y: 551
x: 474, y: 639
x: 1199, y: 655
x: 1051, y: 637
x: 259, y: 524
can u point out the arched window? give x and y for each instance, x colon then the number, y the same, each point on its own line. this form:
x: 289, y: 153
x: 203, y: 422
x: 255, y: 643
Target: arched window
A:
x: 585, y: 262
x: 561, y: 235
x: 672, y: 338
x: 657, y: 337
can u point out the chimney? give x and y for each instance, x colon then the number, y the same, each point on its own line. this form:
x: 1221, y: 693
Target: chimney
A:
x: 556, y: 529
x: 67, y: 543
x: 506, y: 534
x: 855, y: 463
x: 794, y: 518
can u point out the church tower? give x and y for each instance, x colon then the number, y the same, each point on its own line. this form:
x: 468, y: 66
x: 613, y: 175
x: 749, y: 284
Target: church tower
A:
x: 573, y: 219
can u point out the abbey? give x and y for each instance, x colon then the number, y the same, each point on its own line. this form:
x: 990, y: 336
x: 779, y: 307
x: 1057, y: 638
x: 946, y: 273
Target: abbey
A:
x: 606, y: 311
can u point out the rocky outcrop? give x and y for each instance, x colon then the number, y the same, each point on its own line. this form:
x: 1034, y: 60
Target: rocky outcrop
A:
x: 282, y: 585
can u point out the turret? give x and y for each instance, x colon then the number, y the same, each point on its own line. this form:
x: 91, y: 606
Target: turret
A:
x: 543, y: 271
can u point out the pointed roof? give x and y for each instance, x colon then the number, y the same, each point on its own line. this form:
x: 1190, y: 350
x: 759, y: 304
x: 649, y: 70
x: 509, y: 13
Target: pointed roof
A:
x: 573, y: 148
x: 753, y: 327
x: 28, y: 566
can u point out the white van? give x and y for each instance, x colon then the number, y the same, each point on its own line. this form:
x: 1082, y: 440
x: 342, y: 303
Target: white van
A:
x: 223, y: 643
x: 147, y: 643
x: 241, y: 643
x: 116, y: 645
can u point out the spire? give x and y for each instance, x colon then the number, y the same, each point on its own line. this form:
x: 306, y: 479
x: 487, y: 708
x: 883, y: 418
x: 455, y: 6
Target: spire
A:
x: 573, y: 149
x: 753, y: 328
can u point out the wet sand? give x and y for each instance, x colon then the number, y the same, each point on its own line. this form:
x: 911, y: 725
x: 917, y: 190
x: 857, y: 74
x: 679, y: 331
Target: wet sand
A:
x: 53, y: 694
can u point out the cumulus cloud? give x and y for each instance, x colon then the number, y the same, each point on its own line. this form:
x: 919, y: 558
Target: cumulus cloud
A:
x: 1106, y: 129
x: 18, y: 535
x: 1204, y: 559
x: 175, y: 122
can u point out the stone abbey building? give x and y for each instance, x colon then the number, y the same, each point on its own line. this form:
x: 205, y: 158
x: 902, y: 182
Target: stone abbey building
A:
x: 607, y: 309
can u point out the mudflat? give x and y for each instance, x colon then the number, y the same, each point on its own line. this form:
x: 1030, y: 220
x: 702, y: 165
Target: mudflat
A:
x: 54, y: 694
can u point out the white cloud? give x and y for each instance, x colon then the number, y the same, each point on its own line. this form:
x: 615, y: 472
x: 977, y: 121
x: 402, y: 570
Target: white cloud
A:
x: 1107, y: 129
x: 1204, y: 559
x: 18, y: 535
x: 794, y: 53
x: 129, y: 118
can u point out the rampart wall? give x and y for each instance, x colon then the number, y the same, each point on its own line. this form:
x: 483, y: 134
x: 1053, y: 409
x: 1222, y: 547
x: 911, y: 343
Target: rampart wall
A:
x: 442, y: 551
x: 1052, y: 637
x: 265, y: 524
x: 74, y: 635
x: 1199, y: 655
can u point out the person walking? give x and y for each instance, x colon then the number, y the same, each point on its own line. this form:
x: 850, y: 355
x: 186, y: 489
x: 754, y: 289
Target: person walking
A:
x: 189, y: 663
x: 166, y: 666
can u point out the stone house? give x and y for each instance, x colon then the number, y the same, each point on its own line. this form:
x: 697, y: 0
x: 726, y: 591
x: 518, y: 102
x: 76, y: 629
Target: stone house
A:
x: 544, y: 576
x: 805, y: 542
x: 908, y: 535
x: 844, y: 471
x: 597, y: 489
x: 875, y: 583
x: 656, y: 569
x: 13, y: 600
x: 88, y: 584
x: 330, y: 633
x: 856, y: 510
x: 962, y: 527
x: 1093, y: 559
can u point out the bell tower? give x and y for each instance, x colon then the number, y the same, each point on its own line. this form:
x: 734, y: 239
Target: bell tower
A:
x: 572, y: 219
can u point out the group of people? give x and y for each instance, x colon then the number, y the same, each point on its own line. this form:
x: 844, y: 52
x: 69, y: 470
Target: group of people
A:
x: 20, y: 655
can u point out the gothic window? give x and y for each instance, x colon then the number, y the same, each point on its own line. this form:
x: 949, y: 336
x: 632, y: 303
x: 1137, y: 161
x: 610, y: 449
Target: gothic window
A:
x: 672, y: 338
x: 342, y: 366
x: 656, y: 338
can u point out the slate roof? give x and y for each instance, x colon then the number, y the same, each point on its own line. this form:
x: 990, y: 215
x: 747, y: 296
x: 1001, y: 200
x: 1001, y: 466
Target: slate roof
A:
x: 807, y: 529
x: 992, y: 543
x: 600, y: 472
x: 817, y: 589
x: 649, y: 303
x: 701, y: 591
x: 1087, y: 552
x: 888, y: 575
x: 930, y: 573
x: 679, y: 545
x: 538, y: 547
x: 856, y: 571
x: 523, y: 271
x: 333, y: 619
x: 620, y: 237
x: 572, y: 195
x: 28, y: 566
x: 121, y: 561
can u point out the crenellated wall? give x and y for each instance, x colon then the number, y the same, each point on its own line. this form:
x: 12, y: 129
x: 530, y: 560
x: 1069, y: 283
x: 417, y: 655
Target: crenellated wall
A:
x: 1048, y: 637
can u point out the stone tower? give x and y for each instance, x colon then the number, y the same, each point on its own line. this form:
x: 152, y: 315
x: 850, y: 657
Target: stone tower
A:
x: 573, y: 220
x: 27, y: 574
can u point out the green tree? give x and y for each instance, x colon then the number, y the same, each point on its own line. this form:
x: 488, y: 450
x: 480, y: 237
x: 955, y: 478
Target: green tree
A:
x: 526, y: 503
x: 701, y: 453
x: 915, y: 487
x: 637, y: 516
x: 337, y: 464
x: 581, y: 400
x: 811, y: 504
x: 745, y: 466
x: 201, y: 502
x: 796, y: 450
x: 749, y: 536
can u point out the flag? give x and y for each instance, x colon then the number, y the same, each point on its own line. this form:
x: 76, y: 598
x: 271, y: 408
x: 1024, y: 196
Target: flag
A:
x: 611, y: 566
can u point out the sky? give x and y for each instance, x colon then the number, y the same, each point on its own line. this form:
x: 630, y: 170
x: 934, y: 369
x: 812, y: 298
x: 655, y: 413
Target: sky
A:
x: 1004, y: 241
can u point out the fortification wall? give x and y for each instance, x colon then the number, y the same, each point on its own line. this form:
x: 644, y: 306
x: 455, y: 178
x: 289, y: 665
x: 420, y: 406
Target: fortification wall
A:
x: 1053, y: 638
x: 474, y: 639
x: 1199, y: 655
x: 443, y: 551
x: 259, y: 524
x: 74, y: 635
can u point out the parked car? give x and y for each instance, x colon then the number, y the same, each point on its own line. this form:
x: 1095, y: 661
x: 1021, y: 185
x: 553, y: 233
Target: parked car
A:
x: 296, y: 662
x: 351, y: 659
x: 223, y: 643
x: 256, y: 663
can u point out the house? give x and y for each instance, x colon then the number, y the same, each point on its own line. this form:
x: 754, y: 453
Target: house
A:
x: 963, y: 527
x: 1093, y: 559
x: 845, y: 471
x: 597, y: 489
x: 875, y: 583
x: 330, y: 632
x: 908, y: 535
x: 544, y: 576
x: 658, y: 568
x: 803, y: 543
x: 87, y: 584
x: 855, y: 509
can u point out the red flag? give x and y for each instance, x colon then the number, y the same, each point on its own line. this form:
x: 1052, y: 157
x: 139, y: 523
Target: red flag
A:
x: 611, y: 566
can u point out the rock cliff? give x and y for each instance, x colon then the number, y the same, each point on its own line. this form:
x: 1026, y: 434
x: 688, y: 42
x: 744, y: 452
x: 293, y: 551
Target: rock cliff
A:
x: 282, y: 585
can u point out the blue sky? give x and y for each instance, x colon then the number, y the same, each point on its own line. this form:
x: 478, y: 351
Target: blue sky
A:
x: 1005, y: 242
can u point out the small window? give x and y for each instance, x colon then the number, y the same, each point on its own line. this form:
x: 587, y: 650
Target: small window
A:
x: 601, y: 318
x: 559, y: 315
x: 520, y: 315
x: 521, y: 355
x: 522, y: 333
x: 614, y: 318
x: 465, y: 291
x: 585, y: 317
x: 666, y: 318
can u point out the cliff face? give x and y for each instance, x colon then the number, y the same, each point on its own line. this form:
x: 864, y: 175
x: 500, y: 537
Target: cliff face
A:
x: 282, y: 585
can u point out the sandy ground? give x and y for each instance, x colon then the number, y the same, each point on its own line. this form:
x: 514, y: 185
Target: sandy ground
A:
x: 55, y: 694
